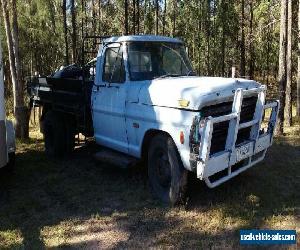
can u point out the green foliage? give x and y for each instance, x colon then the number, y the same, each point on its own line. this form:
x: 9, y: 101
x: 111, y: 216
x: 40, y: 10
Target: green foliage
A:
x: 41, y: 36
x: 210, y: 28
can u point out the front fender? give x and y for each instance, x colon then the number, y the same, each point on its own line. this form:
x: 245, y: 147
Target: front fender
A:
x: 183, y: 148
x: 143, y: 118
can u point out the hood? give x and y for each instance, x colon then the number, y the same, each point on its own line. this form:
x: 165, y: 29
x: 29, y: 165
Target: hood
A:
x: 196, y: 91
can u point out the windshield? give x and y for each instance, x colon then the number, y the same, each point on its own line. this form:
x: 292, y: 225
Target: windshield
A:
x: 149, y: 60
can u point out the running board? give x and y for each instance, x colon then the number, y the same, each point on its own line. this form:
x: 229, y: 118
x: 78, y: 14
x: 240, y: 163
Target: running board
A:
x: 115, y: 158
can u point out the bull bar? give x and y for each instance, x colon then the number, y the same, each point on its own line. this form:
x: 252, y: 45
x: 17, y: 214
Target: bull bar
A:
x: 249, y: 152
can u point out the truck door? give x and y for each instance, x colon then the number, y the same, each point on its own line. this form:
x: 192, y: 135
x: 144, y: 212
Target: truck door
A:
x: 108, y: 99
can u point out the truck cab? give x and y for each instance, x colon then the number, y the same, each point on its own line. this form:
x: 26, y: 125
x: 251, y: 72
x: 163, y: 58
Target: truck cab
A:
x: 147, y: 103
x: 126, y: 70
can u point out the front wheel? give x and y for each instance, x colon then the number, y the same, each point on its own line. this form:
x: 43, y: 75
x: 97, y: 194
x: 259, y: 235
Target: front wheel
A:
x: 167, y: 176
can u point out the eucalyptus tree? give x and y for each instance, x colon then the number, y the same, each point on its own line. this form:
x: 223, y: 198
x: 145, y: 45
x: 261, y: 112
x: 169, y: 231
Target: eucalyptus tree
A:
x: 288, y: 89
x: 298, y: 55
x: 74, y: 30
x: 219, y: 34
x: 12, y: 36
x: 282, y: 65
x: 64, y: 10
x: 126, y: 16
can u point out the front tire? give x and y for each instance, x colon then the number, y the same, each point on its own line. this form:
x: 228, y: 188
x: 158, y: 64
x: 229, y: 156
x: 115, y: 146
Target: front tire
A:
x: 167, y: 176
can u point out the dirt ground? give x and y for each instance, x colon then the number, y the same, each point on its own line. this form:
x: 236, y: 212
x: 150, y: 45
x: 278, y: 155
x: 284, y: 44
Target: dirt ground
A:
x: 78, y: 203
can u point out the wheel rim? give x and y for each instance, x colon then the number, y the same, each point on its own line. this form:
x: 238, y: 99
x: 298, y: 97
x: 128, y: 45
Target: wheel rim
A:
x: 163, y: 168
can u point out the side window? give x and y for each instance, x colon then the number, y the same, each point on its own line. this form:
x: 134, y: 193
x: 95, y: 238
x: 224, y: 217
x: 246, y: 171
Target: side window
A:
x: 114, y: 70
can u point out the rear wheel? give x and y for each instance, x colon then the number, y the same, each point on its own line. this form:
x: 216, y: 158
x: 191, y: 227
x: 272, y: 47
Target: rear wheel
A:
x: 54, y: 134
x: 70, y: 134
x: 167, y: 176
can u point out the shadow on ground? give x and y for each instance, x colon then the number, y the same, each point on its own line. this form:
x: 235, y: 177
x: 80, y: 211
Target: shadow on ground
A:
x: 77, y: 203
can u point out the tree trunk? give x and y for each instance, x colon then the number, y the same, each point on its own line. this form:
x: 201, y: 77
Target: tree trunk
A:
x: 200, y: 15
x: 21, y: 111
x: 223, y: 42
x: 133, y: 17
x: 82, y: 18
x: 10, y: 49
x: 164, y: 17
x: 208, y: 34
x: 268, y: 55
x: 99, y: 16
x: 298, y: 77
x: 282, y: 66
x: 145, y: 16
x: 94, y: 23
x: 251, y: 47
x: 223, y: 48
x: 12, y: 36
x: 52, y: 15
x: 64, y: 8
x: 288, y: 90
x: 138, y: 16
x: 243, y: 49
x: 174, y: 17
x: 74, y: 30
x: 126, y: 16
x: 156, y: 16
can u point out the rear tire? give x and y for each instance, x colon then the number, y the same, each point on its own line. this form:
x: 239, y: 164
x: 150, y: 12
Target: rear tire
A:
x: 70, y: 134
x: 54, y: 134
x: 167, y: 175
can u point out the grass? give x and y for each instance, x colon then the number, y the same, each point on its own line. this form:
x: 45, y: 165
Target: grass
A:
x: 77, y: 203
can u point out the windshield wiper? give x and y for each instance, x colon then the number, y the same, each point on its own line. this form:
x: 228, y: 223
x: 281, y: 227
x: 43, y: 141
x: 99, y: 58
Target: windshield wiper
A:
x: 191, y: 73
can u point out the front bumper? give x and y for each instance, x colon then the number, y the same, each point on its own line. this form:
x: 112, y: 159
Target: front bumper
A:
x: 236, y: 158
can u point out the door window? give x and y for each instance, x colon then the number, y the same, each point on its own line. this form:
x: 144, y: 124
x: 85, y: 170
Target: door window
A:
x: 114, y: 70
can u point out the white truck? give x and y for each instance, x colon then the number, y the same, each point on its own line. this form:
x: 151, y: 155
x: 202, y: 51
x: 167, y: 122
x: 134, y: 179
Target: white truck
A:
x: 7, y: 133
x: 146, y: 103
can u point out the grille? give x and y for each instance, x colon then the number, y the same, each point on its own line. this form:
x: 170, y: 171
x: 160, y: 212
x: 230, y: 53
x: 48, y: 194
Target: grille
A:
x: 221, y: 129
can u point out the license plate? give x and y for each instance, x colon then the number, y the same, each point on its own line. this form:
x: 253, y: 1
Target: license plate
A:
x: 243, y: 152
x: 262, y: 143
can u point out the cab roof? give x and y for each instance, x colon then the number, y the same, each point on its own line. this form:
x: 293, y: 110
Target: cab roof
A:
x: 142, y: 38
